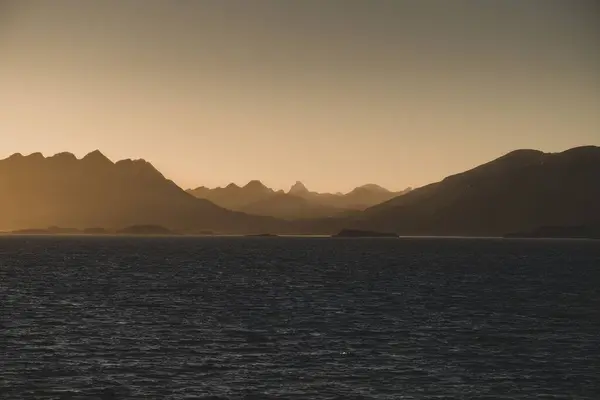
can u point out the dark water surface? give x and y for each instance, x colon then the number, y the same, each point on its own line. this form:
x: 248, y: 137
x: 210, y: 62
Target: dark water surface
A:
x: 298, y: 318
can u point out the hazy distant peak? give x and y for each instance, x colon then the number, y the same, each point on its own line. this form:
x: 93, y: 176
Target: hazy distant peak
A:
x: 199, y: 189
x: 298, y: 188
x: 255, y: 184
x: 232, y: 186
x: 374, y: 187
x: 97, y: 157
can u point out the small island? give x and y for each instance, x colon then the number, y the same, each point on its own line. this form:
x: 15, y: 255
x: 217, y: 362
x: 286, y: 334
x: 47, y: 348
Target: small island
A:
x: 559, y: 232
x: 52, y: 230
x: 357, y: 233
x: 145, y: 230
x: 263, y: 235
x: 31, y: 231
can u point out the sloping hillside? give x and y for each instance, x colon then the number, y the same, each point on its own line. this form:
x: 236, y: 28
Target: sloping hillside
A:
x: 520, y: 191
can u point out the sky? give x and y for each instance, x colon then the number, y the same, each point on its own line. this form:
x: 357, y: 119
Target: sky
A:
x: 334, y: 93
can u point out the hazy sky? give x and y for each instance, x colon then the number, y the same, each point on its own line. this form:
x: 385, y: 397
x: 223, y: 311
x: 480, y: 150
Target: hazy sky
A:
x: 333, y: 93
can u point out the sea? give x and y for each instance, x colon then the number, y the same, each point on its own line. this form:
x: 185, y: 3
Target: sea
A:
x: 298, y: 318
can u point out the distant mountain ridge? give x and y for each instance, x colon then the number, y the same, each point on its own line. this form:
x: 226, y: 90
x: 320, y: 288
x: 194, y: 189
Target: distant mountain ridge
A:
x: 297, y: 203
x: 61, y: 190
x: 232, y: 196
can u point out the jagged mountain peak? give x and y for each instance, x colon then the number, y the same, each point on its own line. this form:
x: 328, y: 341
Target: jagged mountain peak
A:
x: 139, y: 167
x: 298, y: 188
x: 255, y: 183
x: 139, y: 162
x: 96, y: 156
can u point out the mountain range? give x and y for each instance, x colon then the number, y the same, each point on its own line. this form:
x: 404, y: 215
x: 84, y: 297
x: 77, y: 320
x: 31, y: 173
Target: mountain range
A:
x: 38, y: 191
x: 297, y: 203
x: 518, y: 192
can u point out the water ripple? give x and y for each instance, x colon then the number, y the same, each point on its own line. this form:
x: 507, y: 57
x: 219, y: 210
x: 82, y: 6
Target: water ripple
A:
x: 288, y: 318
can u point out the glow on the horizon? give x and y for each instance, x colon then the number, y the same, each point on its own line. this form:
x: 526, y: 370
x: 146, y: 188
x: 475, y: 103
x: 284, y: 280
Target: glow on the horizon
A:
x: 334, y: 94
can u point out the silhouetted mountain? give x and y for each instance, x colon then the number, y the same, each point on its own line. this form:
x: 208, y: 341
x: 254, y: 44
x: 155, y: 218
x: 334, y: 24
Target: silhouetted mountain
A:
x: 297, y: 203
x: 233, y: 196
x: 32, y: 231
x: 255, y: 190
x: 64, y: 191
x: 298, y: 189
x: 368, y: 195
x: 52, y: 230
x: 520, y: 191
x: 359, y: 198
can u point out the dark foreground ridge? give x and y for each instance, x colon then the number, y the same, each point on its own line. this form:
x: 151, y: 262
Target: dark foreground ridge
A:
x: 518, y: 192
x: 361, y: 233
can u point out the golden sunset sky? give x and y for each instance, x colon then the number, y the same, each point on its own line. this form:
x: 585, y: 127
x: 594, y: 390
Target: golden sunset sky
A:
x: 335, y: 93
